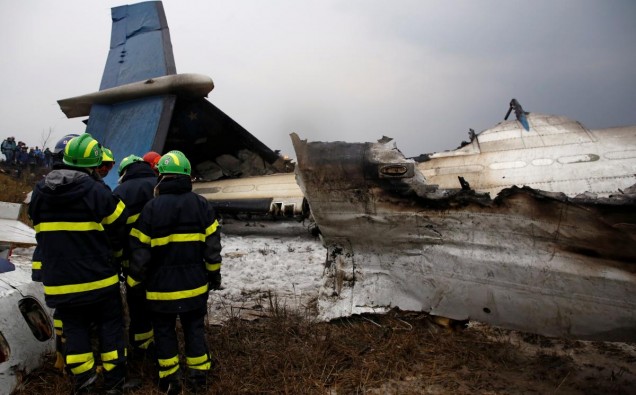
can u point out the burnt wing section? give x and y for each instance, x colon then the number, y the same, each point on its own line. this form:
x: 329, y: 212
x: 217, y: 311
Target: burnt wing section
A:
x: 216, y: 145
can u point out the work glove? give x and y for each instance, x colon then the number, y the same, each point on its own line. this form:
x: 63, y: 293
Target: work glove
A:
x: 214, y: 280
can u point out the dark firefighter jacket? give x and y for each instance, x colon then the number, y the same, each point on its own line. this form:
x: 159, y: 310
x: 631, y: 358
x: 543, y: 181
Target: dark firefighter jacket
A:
x: 79, y: 226
x: 136, y: 188
x: 175, y: 247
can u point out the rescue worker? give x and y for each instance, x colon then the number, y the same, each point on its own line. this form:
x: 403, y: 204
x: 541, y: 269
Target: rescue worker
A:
x: 79, y: 224
x: 176, y: 258
x: 9, y: 149
x: 36, y: 261
x: 136, y: 185
x: 152, y: 157
x: 108, y: 161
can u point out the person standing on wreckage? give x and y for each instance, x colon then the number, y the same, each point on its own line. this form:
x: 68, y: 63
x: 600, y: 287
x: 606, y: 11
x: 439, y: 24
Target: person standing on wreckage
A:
x: 79, y: 225
x: 176, y: 259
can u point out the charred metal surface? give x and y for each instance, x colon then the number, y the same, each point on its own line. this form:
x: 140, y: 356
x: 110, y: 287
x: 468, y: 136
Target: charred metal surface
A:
x: 526, y: 259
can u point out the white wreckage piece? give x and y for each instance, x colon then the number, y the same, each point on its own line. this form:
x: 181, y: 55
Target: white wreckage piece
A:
x: 553, y: 253
x: 26, y: 326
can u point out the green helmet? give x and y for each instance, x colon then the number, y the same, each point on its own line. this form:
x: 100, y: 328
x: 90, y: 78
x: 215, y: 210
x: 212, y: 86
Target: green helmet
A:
x: 127, y: 161
x: 83, y: 151
x: 174, y: 162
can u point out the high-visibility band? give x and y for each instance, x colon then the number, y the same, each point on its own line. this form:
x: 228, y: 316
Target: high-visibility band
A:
x: 110, y: 356
x: 109, y: 366
x: 89, y: 148
x: 67, y: 226
x: 85, y: 367
x: 78, y: 358
x: 83, y: 287
x: 143, y: 336
x: 57, y: 324
x: 118, y: 253
x: 125, y: 263
x: 203, y: 366
x: 140, y: 235
x: 131, y: 281
x: 166, y: 373
x: 132, y: 219
x: 212, y: 267
x: 177, y: 238
x: 113, y: 217
x: 146, y: 344
x: 36, y: 265
x: 176, y: 295
x: 212, y: 228
x: 174, y: 238
x: 197, y: 360
x: 164, y: 363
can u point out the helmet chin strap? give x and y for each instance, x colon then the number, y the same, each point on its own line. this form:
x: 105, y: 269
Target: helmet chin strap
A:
x: 155, y: 191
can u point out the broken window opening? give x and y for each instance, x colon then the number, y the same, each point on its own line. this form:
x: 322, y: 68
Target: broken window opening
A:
x: 37, y: 319
x: 288, y: 210
x: 5, y: 350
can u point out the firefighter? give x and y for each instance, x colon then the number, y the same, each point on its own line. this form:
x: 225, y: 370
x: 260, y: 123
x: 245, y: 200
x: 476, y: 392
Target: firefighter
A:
x: 136, y: 185
x: 152, y: 157
x: 36, y: 264
x: 176, y: 258
x: 79, y: 225
x: 108, y: 161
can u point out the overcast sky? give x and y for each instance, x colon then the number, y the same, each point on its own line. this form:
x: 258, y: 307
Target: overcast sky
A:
x: 422, y: 72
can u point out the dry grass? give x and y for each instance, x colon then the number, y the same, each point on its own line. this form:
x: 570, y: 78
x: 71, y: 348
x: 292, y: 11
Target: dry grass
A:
x: 13, y: 189
x: 395, y: 353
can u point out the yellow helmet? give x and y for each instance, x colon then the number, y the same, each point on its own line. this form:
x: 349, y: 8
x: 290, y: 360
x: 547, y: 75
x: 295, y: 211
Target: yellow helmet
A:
x: 107, y: 155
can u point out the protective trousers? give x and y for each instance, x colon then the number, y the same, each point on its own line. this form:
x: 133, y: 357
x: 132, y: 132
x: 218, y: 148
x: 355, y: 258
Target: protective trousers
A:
x: 60, y: 341
x: 197, y: 358
x: 140, y: 330
x: 106, y: 316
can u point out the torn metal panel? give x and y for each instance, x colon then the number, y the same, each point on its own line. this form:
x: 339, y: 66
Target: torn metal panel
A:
x: 530, y: 260
x: 557, y: 154
x: 26, y: 327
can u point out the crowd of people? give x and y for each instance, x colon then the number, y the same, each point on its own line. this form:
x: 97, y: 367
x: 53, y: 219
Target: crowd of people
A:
x: 21, y: 156
x: 150, y: 235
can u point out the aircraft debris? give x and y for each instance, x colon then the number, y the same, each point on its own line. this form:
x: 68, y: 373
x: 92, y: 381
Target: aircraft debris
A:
x: 548, y: 261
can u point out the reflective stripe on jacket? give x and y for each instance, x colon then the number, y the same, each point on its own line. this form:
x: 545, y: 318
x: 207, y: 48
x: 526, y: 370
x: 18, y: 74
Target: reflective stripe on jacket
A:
x: 78, y: 224
x: 174, y: 238
x: 135, y: 189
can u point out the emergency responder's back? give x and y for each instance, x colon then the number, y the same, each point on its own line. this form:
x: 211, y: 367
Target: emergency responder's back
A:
x: 178, y: 224
x: 77, y: 221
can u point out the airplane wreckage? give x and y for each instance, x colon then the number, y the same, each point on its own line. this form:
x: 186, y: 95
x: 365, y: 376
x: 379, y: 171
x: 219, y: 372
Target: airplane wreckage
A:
x: 531, y: 225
